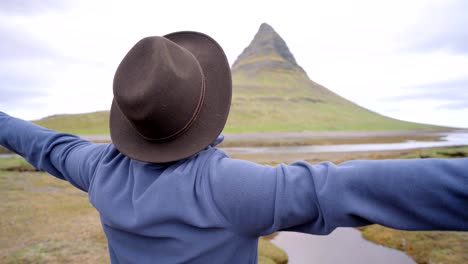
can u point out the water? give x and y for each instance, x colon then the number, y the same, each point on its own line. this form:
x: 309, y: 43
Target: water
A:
x: 8, y: 155
x: 450, y: 139
x: 344, y: 245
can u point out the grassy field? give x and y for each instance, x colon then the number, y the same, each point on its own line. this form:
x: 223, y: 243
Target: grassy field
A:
x: 45, y: 220
x: 317, y: 140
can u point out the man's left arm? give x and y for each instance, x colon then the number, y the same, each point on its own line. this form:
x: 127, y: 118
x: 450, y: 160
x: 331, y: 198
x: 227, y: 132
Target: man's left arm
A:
x: 65, y: 156
x: 410, y: 194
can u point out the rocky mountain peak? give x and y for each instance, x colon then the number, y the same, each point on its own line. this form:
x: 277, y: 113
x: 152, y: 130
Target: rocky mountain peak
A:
x: 267, y: 49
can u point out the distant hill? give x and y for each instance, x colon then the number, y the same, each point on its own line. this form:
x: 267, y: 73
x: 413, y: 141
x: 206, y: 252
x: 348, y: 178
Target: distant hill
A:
x: 88, y: 123
x: 271, y: 92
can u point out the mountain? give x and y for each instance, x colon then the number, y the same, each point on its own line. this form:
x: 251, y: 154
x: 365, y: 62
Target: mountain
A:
x: 267, y: 50
x: 271, y: 92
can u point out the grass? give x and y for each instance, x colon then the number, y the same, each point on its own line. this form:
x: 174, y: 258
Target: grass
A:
x: 88, y: 123
x: 444, y: 152
x: 270, y: 253
x: 423, y: 246
x: 251, y: 116
x: 45, y: 220
x: 4, y: 150
x: 317, y: 140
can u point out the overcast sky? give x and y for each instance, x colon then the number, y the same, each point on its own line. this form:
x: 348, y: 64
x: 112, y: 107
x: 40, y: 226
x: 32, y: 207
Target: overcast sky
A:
x: 404, y: 59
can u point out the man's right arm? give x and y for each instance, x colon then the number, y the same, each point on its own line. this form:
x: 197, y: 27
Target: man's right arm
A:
x: 63, y: 155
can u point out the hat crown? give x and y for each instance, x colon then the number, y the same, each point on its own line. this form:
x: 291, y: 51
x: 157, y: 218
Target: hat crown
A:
x: 159, y: 88
x: 171, y: 97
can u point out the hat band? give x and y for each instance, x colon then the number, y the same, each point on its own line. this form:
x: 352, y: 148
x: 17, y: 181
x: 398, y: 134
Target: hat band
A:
x: 187, y: 125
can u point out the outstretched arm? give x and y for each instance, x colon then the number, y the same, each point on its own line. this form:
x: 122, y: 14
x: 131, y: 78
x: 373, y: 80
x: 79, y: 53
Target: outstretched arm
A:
x: 65, y: 156
x: 429, y: 194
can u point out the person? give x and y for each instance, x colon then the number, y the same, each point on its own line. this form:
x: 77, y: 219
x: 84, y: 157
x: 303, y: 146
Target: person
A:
x: 166, y: 194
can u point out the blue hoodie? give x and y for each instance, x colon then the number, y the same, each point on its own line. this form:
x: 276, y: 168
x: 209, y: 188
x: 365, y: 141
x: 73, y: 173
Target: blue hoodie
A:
x: 210, y: 208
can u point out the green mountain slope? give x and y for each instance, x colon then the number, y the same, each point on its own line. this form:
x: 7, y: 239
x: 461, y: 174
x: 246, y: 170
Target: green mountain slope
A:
x: 88, y: 123
x: 271, y: 92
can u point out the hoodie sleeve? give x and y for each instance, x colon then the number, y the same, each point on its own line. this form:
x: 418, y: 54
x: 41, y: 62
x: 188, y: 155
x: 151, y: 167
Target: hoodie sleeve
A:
x: 417, y: 194
x: 65, y: 156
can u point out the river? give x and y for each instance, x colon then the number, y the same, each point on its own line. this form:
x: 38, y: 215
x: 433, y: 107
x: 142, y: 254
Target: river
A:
x: 447, y: 140
x: 8, y: 155
x: 344, y: 245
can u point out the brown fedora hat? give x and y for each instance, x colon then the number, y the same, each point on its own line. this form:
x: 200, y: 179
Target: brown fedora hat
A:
x: 172, y: 96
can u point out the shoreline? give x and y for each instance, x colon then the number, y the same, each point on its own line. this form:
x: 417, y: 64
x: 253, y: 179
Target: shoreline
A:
x: 254, y: 139
x: 276, y: 139
x: 340, y: 134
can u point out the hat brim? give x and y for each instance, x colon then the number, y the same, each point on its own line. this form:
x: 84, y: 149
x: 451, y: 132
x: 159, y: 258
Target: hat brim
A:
x: 210, y: 121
